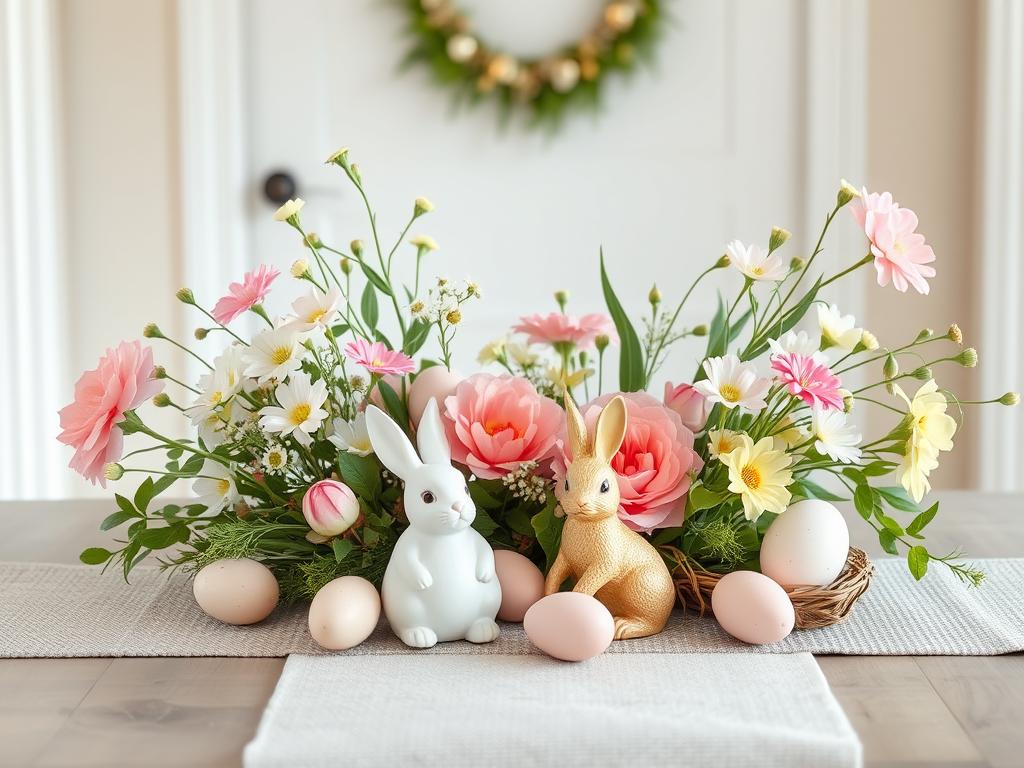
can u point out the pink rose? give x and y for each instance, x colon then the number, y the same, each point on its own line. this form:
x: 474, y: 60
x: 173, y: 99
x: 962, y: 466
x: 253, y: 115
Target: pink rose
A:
x: 496, y: 423
x: 559, y: 328
x: 692, y: 407
x: 653, y: 465
x: 330, y: 507
x: 122, y: 381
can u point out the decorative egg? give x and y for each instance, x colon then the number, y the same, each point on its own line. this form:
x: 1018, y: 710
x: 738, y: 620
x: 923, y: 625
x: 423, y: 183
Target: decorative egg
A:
x: 570, y: 626
x: 344, y: 613
x: 522, y: 584
x: 236, y: 591
x: 806, y: 545
x: 435, y: 382
x: 752, y: 608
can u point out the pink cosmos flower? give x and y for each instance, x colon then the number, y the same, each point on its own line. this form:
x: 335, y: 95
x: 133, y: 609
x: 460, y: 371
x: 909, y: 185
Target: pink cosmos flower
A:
x: 901, y: 254
x: 692, y: 407
x: 244, y: 295
x: 377, y: 358
x: 808, y: 379
x: 123, y: 380
x: 497, y: 423
x: 654, y: 464
x: 557, y: 328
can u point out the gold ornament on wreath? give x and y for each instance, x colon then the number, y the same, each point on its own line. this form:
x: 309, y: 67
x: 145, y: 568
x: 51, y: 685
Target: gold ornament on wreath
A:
x: 547, y: 87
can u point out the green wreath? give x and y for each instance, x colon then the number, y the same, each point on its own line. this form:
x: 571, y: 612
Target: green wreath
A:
x: 548, y: 87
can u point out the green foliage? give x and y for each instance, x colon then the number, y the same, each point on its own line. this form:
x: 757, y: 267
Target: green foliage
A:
x: 631, y: 356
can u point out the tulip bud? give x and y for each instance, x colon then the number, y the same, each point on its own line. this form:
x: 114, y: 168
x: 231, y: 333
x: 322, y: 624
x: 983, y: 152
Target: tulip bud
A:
x: 601, y: 341
x: 654, y: 296
x: 113, y: 471
x: 300, y: 267
x: 185, y: 296
x: 955, y: 334
x: 968, y: 358
x: 330, y: 507
x: 200, y: 333
x: 777, y: 238
x: 692, y: 407
x: 1010, y: 398
x: 357, y: 247
x: 846, y: 193
x: 723, y: 261
x: 421, y: 206
x: 699, y: 330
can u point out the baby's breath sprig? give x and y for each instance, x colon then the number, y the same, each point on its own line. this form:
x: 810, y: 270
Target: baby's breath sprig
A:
x: 523, y: 483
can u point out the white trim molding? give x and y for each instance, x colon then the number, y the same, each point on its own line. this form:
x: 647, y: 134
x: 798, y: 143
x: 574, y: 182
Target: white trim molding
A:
x: 33, y: 339
x: 1002, y: 221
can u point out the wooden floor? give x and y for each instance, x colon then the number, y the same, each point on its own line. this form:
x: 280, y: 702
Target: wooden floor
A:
x: 909, y: 711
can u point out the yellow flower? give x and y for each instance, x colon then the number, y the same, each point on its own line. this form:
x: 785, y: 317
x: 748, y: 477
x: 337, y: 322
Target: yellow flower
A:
x: 289, y: 210
x: 757, y: 472
x: 570, y: 381
x: 932, y: 430
x: 492, y: 352
x: 918, y: 462
x: 722, y: 441
x: 789, y: 433
x: 424, y: 242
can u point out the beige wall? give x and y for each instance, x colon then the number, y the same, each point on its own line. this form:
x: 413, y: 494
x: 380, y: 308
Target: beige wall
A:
x: 119, y: 76
x: 922, y: 91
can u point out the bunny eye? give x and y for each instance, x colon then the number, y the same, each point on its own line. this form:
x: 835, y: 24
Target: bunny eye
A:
x: 428, y: 497
x: 605, y: 487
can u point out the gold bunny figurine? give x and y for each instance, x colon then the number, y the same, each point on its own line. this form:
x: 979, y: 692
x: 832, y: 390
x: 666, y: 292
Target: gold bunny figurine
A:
x: 608, y: 560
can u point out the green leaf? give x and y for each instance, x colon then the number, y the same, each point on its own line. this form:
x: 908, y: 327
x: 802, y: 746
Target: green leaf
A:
x: 888, y: 541
x: 716, y: 334
x: 163, y: 483
x: 125, y: 505
x: 814, y: 491
x: 193, y: 466
x: 878, y: 468
x: 549, y: 531
x: 361, y: 474
x: 889, y: 523
x: 341, y: 548
x: 115, y: 519
x: 918, y: 523
x: 704, y: 498
x: 864, y: 502
x: 416, y: 336
x: 897, y: 498
x: 144, y: 494
x: 483, y: 523
x: 631, y: 355
x: 174, y: 453
x: 95, y: 555
x: 519, y: 521
x: 378, y: 282
x: 161, y: 538
x: 393, y: 403
x: 917, y: 561
x: 368, y: 306
x: 482, y: 497
x: 790, y: 319
x: 855, y: 474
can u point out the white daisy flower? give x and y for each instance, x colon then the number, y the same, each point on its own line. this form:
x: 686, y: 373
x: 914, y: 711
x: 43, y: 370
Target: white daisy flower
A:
x: 216, y: 488
x: 800, y: 342
x: 275, y: 460
x: 733, y: 383
x: 837, y: 330
x: 835, y: 438
x: 352, y: 436
x: 300, y: 413
x: 315, y: 310
x: 218, y: 386
x: 274, y: 354
x: 756, y: 263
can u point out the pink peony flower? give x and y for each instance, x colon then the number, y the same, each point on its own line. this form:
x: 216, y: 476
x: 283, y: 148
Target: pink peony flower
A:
x: 901, y: 254
x: 377, y: 358
x: 654, y: 464
x: 692, y: 407
x: 330, y: 507
x: 123, y: 380
x: 244, y: 295
x: 559, y: 328
x: 808, y: 379
x: 497, y: 423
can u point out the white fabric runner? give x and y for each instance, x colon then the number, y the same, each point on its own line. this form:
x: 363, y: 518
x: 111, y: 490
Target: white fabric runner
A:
x: 671, y: 709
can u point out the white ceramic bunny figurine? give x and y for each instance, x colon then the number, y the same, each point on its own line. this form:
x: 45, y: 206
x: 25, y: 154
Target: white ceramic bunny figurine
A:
x: 440, y: 582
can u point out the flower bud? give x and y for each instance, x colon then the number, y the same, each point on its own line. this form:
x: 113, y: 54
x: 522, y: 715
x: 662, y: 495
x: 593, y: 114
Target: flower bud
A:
x: 796, y: 264
x: 584, y: 357
x: 955, y: 334
x: 699, y: 330
x: 692, y: 407
x: 723, y: 261
x: 152, y: 331
x: 161, y: 400
x: 848, y: 400
x: 357, y: 247
x: 562, y: 297
x: 424, y: 243
x: 313, y: 240
x: 354, y: 169
x: 924, y: 373
x: 330, y: 507
x: 778, y: 237
x: 159, y: 372
x: 868, y: 341
x: 968, y: 358
x: 924, y: 334
x: 113, y: 471
x: 185, y: 296
x: 289, y: 211
x: 654, y: 296
x: 890, y: 368
x: 346, y: 266
x: 339, y: 158
x: 601, y: 341
x: 300, y: 267
x: 846, y: 193
x: 422, y: 205
x: 1010, y: 398
x: 200, y: 333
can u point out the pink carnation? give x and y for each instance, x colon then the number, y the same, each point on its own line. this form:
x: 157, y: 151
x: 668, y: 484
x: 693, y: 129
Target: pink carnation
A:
x: 123, y: 380
x: 693, y: 408
x: 901, y: 254
x: 245, y: 295
x: 377, y: 358
x: 559, y: 328
x: 654, y: 464
x: 497, y: 423
x: 809, y: 380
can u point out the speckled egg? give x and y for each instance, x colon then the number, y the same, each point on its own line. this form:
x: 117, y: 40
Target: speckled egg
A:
x: 344, y: 613
x: 522, y: 584
x: 236, y: 591
x: 570, y: 626
x: 752, y: 608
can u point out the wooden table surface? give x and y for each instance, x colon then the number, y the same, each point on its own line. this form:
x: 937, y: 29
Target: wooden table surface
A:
x: 908, y: 710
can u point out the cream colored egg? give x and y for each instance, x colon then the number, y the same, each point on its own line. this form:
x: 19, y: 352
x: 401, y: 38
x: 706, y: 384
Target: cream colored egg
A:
x: 344, y: 613
x: 570, y: 626
x: 236, y: 591
x: 806, y: 545
x: 752, y: 608
x: 435, y: 382
x: 522, y: 584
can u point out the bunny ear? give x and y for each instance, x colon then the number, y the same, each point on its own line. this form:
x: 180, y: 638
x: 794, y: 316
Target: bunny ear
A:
x: 390, y: 443
x: 430, y: 437
x: 611, y: 429
x: 578, y: 439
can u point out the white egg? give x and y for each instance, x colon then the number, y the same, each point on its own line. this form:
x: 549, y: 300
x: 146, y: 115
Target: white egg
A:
x: 344, y: 613
x: 236, y: 591
x: 806, y: 545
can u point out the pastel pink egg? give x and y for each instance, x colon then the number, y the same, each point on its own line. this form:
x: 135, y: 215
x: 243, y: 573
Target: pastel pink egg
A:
x: 752, y: 608
x: 522, y: 584
x: 344, y: 613
x: 236, y: 591
x: 570, y: 626
x: 436, y: 382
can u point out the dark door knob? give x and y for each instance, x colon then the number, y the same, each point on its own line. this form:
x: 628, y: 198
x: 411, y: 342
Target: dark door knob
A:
x: 279, y: 187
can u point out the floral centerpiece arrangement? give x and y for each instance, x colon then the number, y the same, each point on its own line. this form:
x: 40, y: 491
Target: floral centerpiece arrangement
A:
x: 284, y: 472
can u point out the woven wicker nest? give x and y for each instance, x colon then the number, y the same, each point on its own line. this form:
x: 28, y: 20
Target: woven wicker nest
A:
x: 815, y: 607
